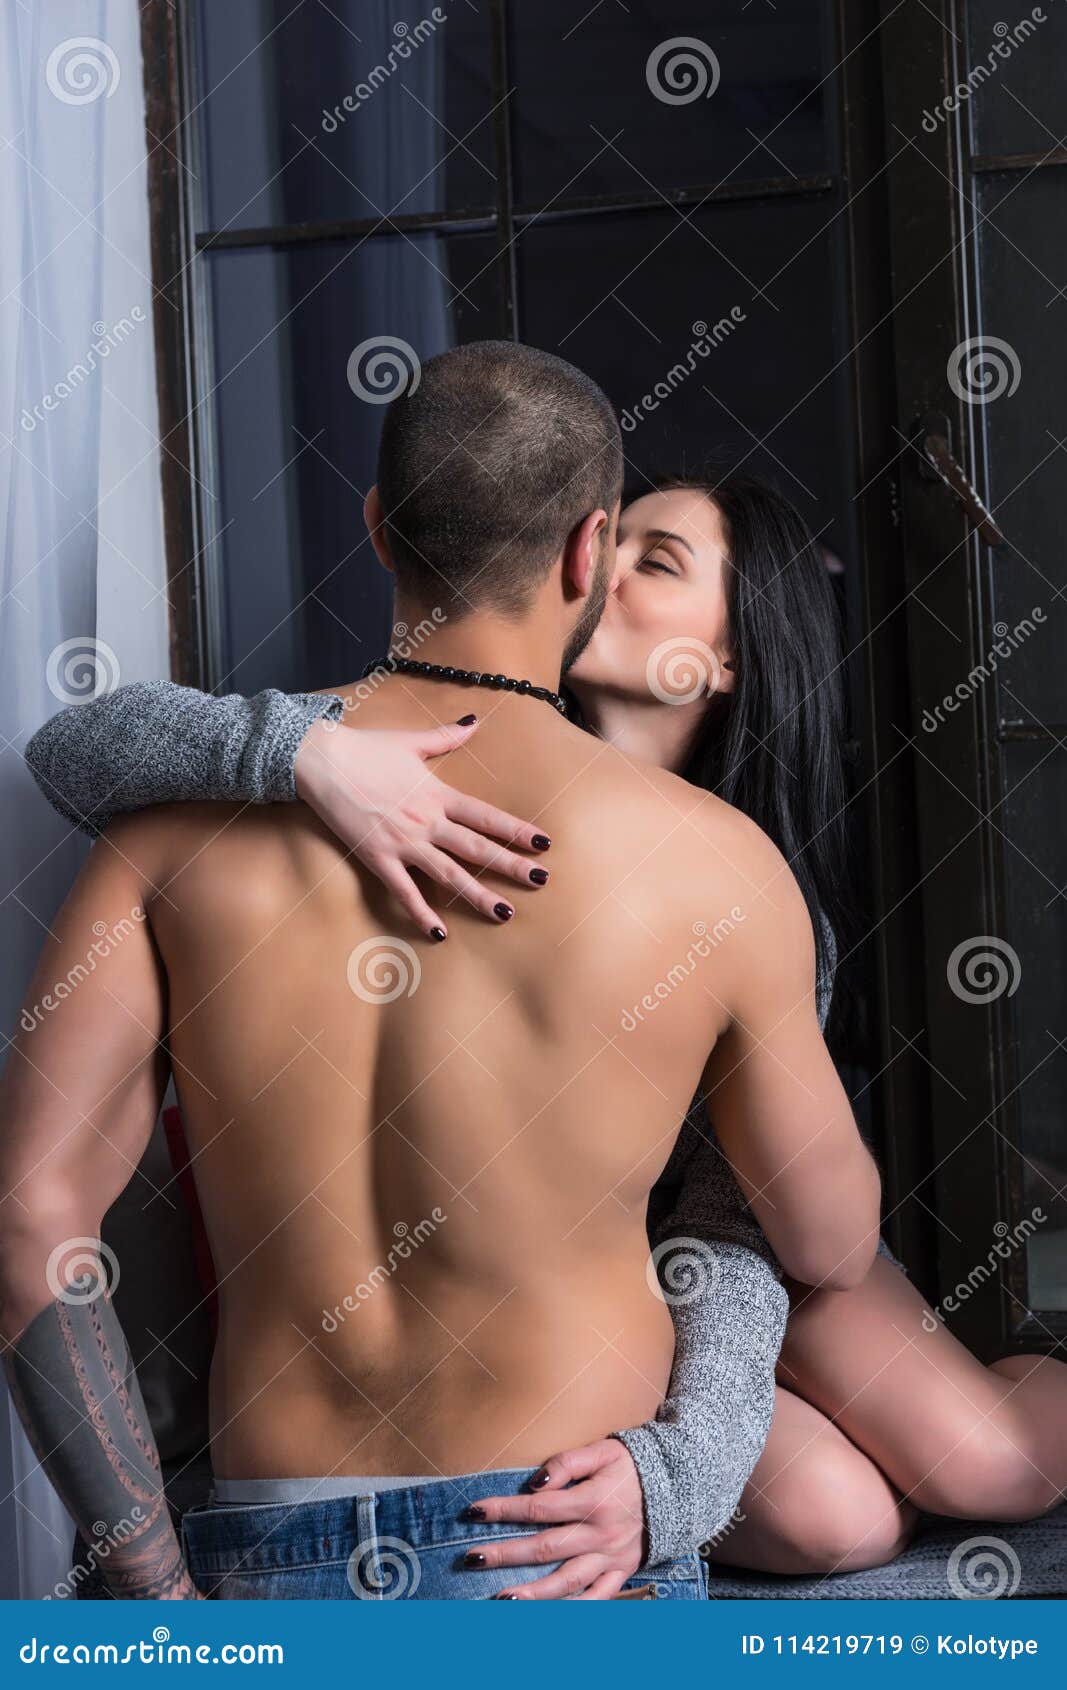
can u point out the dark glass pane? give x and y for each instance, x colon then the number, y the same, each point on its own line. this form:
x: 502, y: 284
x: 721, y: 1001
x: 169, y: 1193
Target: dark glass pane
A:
x: 744, y: 98
x: 1034, y: 818
x: 297, y: 418
x: 1024, y: 266
x: 1011, y: 81
x: 310, y: 112
x: 645, y: 293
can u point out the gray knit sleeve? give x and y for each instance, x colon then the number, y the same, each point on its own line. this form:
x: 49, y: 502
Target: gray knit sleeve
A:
x: 154, y: 742
x: 722, y: 1283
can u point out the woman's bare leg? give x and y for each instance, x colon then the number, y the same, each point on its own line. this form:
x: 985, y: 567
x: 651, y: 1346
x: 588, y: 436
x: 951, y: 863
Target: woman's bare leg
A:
x: 953, y: 1436
x: 815, y: 1503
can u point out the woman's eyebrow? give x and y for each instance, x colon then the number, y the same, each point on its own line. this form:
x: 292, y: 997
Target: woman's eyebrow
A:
x: 666, y: 534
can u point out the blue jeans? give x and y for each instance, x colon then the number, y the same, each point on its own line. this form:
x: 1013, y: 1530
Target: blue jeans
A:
x: 399, y: 1545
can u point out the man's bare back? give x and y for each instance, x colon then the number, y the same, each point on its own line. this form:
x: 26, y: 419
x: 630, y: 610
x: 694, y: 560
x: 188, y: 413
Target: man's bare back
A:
x: 425, y: 1180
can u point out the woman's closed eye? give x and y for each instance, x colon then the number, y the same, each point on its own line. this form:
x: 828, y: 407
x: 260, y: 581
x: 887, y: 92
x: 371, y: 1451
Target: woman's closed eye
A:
x: 658, y: 564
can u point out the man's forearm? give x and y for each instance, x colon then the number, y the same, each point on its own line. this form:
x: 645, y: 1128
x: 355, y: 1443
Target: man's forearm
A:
x: 76, y: 1392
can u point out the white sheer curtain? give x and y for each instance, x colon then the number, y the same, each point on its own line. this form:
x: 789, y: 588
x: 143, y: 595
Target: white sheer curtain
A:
x: 82, y: 578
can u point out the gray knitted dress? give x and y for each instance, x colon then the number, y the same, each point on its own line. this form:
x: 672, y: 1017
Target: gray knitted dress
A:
x: 155, y: 742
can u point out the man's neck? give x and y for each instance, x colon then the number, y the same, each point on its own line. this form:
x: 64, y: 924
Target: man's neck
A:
x: 526, y: 649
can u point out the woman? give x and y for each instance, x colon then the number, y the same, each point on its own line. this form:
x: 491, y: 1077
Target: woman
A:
x: 879, y: 1413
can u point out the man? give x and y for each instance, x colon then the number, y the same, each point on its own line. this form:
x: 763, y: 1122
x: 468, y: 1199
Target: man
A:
x: 423, y: 1166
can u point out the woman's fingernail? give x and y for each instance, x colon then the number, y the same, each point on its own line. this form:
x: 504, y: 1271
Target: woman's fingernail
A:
x: 473, y: 1558
x: 541, y: 1477
x: 437, y: 934
x: 504, y: 1596
x: 466, y: 721
x: 540, y: 842
x: 539, y: 876
x: 503, y: 912
x: 473, y: 1512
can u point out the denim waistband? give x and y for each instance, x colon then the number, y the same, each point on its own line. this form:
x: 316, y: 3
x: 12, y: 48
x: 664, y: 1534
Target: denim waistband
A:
x: 280, y: 1534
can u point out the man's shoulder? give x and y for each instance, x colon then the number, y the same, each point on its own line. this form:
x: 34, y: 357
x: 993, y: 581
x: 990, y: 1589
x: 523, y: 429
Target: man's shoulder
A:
x: 169, y: 841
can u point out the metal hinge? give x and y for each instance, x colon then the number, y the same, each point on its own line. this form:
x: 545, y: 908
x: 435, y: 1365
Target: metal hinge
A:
x: 933, y: 437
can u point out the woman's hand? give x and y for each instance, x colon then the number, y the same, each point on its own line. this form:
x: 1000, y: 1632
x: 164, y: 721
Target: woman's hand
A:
x: 373, y: 789
x: 594, y: 1527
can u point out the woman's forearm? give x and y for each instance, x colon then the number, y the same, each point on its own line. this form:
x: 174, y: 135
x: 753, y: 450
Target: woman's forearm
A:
x: 155, y: 742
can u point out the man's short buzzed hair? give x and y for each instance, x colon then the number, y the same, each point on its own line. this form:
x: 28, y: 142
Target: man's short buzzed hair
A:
x: 486, y: 468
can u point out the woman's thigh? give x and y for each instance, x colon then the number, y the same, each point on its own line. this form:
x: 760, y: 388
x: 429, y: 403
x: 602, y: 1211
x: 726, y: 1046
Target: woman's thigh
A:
x: 955, y: 1437
x: 815, y: 1504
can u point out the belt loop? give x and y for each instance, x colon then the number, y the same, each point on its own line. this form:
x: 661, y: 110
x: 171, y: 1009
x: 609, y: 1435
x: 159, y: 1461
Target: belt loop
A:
x: 367, y: 1528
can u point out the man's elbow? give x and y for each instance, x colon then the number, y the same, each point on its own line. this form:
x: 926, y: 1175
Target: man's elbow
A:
x: 837, y: 1257
x: 35, y: 1224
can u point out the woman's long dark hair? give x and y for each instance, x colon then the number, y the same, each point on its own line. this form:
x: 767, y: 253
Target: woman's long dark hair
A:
x: 774, y: 747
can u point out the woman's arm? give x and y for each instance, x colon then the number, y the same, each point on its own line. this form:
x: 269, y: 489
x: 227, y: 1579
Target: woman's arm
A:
x: 155, y: 743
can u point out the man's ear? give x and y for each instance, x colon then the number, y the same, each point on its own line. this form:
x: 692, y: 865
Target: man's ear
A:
x: 374, y: 517
x: 581, y: 553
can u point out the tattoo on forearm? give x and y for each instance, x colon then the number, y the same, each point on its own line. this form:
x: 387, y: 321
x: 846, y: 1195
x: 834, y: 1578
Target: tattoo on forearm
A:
x: 73, y: 1384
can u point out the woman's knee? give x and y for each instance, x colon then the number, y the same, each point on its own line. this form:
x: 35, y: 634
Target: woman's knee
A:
x: 832, y: 1511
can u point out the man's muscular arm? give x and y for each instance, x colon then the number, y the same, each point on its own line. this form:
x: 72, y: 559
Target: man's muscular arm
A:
x: 78, y: 1099
x: 781, y: 1114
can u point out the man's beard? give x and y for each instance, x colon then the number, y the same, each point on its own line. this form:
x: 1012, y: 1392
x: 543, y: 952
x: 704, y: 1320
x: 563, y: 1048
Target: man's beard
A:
x: 594, y: 610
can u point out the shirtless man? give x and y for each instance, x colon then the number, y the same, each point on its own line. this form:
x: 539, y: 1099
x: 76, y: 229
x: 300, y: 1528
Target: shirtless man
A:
x: 424, y: 1183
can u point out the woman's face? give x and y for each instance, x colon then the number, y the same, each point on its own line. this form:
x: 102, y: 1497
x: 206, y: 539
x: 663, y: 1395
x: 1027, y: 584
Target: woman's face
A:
x: 664, y: 623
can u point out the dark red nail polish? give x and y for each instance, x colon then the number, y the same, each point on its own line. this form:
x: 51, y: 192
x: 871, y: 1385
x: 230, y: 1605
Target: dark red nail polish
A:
x: 437, y: 934
x: 473, y: 1512
x: 473, y: 1559
x: 539, y: 1478
x: 466, y: 721
x: 539, y: 876
x: 504, y: 1596
x: 503, y: 912
x: 540, y: 842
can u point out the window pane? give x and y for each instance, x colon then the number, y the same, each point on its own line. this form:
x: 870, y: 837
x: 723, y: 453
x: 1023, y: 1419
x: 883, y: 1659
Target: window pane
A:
x: 1012, y: 79
x: 588, y: 121
x: 664, y: 313
x: 1035, y: 820
x: 1025, y: 363
x: 312, y: 112
x: 297, y: 419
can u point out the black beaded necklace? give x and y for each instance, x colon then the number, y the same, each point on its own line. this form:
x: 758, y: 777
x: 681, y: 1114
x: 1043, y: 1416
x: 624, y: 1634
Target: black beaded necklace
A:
x: 465, y: 677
